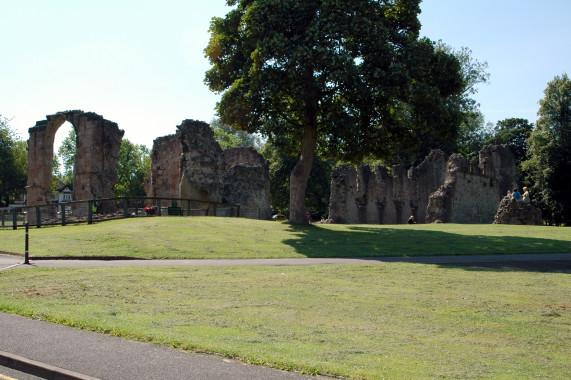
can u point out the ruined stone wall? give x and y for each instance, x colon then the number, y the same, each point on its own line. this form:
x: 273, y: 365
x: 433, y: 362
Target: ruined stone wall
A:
x: 363, y: 196
x: 164, y: 177
x: 440, y: 189
x: 95, y: 170
x: 192, y: 165
x: 247, y: 182
x: 201, y: 162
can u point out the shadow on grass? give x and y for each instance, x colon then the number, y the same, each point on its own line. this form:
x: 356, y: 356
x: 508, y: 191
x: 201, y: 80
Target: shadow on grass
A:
x: 547, y: 266
x: 359, y: 241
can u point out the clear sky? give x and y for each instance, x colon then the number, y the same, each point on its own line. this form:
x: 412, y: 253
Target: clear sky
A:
x: 140, y: 63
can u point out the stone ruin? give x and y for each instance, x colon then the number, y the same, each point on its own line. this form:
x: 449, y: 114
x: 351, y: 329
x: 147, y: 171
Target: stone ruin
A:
x: 95, y: 164
x: 441, y: 189
x: 164, y: 175
x: 513, y: 212
x: 192, y: 165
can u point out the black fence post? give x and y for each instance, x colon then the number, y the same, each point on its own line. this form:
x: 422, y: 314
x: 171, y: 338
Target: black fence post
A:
x: 27, y: 250
x: 38, y: 217
x: 90, y: 212
x: 62, y: 214
x: 14, y: 220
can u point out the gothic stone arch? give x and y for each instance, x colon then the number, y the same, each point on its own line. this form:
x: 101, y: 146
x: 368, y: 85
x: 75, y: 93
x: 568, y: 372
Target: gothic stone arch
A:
x: 98, y: 142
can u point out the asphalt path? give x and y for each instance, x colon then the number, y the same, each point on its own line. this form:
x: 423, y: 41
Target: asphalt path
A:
x: 54, y: 351
x: 556, y: 262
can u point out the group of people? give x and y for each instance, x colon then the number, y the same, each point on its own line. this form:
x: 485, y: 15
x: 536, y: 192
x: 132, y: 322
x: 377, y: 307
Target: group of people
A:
x: 515, y: 195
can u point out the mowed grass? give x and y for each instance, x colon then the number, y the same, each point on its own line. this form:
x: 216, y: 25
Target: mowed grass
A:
x: 395, y: 321
x: 215, y: 238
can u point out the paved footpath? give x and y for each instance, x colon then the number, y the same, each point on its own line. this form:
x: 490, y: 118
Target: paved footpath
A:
x: 525, y: 261
x: 61, y: 352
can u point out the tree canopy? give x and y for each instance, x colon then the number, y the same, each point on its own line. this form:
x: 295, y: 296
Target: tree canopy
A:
x: 228, y: 137
x: 13, y: 163
x: 349, y: 78
x: 513, y: 132
x: 471, y: 128
x: 549, y: 152
x: 132, y: 169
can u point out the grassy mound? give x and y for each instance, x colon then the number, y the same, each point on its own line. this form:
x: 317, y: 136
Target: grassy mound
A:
x: 222, y: 238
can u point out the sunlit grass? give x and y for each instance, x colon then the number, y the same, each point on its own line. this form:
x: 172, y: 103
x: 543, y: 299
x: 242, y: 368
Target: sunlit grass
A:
x: 209, y: 237
x: 398, y: 321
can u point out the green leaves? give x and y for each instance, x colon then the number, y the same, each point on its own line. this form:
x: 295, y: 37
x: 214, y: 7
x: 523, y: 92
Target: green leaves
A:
x: 549, y: 153
x: 132, y: 169
x: 13, y: 162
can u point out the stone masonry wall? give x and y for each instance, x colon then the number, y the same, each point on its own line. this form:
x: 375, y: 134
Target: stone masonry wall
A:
x: 164, y: 176
x: 192, y: 165
x: 363, y: 196
x: 440, y: 189
x: 95, y: 171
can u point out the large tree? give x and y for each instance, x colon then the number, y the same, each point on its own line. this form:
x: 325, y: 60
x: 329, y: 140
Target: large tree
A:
x: 318, y: 186
x: 351, y: 78
x: 13, y: 161
x: 549, y: 152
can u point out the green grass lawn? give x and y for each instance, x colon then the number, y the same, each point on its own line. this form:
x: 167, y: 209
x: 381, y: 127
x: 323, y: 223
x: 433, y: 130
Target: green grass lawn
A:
x: 208, y: 237
x: 396, y: 321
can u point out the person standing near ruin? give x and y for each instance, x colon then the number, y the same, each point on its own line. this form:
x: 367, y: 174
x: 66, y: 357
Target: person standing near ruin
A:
x: 510, y: 195
x: 525, y: 196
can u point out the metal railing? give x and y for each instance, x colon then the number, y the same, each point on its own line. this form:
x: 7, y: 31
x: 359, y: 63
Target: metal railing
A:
x: 99, y: 210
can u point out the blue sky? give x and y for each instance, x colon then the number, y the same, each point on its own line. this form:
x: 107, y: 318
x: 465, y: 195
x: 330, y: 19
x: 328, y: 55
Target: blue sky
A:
x: 141, y: 63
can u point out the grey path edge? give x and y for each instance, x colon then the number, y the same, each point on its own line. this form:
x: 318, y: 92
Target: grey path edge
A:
x: 64, y: 352
x: 40, y: 369
x: 449, y: 259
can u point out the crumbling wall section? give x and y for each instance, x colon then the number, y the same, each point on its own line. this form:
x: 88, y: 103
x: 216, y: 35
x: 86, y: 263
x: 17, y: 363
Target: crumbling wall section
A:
x: 441, y: 189
x: 513, y: 212
x: 247, y: 182
x: 426, y: 179
x: 191, y: 164
x: 164, y: 176
x: 498, y: 161
x: 359, y: 195
x: 343, y: 205
x: 465, y: 197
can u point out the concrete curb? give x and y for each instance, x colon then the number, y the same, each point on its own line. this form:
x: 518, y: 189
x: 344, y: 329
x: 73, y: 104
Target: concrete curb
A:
x: 39, y: 369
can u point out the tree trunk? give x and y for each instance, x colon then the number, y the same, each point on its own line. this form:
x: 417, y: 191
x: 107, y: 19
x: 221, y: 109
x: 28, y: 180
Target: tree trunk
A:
x: 300, y: 175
